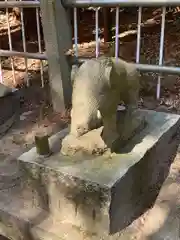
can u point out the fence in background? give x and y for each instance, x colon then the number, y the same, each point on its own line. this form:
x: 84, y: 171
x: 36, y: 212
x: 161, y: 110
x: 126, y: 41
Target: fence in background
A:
x: 128, y: 3
x: 26, y: 55
x: 55, y: 19
x: 59, y: 43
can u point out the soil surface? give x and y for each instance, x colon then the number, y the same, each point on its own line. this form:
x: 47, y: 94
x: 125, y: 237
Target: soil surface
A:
x: 163, y: 220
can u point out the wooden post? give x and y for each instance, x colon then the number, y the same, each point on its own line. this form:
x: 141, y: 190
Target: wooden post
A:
x: 42, y: 144
x: 58, y: 40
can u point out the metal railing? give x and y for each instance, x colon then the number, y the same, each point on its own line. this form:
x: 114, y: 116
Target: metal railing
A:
x: 122, y: 3
x: 127, y: 3
x: 160, y: 68
x: 26, y: 55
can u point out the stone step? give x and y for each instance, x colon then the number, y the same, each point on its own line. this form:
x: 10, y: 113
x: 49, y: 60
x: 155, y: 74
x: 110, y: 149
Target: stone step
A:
x: 21, y: 219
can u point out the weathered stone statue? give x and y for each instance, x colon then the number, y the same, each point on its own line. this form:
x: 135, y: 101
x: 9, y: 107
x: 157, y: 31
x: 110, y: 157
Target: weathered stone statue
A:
x: 99, y: 85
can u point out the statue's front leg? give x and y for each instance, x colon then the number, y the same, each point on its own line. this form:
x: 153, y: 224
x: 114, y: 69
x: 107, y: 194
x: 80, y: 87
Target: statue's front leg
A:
x: 110, y: 133
x: 129, y: 121
x: 80, y: 122
x: 81, y: 138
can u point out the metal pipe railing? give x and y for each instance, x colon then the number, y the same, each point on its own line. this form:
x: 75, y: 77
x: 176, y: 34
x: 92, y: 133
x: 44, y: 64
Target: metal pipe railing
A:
x: 10, y: 43
x: 11, y: 53
x: 141, y: 67
x: 161, y: 69
x: 24, y: 44
x: 158, y: 69
x: 8, y: 53
x: 161, y: 49
x: 121, y: 3
x: 19, y: 4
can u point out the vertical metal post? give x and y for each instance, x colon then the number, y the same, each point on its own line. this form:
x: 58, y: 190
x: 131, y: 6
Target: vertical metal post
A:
x: 24, y: 45
x: 75, y: 32
x: 117, y: 34
x: 10, y: 45
x: 161, y: 50
x: 97, y: 31
x: 138, y: 35
x: 1, y: 75
x: 39, y: 45
x: 58, y: 40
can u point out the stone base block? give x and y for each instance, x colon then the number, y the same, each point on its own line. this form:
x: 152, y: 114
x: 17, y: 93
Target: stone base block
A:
x: 97, y: 197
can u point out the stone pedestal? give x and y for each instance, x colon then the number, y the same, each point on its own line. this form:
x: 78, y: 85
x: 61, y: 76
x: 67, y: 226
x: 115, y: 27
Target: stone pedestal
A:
x: 97, y: 197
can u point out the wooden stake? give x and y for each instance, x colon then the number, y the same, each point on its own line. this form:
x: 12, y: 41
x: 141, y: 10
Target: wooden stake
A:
x: 42, y: 144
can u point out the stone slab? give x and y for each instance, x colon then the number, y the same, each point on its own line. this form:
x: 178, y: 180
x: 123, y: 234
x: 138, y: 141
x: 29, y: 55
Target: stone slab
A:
x: 103, y: 195
x: 9, y: 105
x: 22, y: 219
x: 5, y: 90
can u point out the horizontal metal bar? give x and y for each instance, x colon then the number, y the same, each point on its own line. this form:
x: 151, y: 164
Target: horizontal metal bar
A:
x: 74, y: 60
x: 8, y: 53
x: 23, y: 4
x: 158, y: 69
x: 121, y: 3
x: 17, y: 69
x: 140, y: 67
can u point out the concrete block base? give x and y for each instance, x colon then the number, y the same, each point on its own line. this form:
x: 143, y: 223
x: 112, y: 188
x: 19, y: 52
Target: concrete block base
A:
x: 91, y: 197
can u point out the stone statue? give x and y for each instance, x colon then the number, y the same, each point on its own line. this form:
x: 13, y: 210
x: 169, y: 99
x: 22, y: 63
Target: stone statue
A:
x: 99, y: 85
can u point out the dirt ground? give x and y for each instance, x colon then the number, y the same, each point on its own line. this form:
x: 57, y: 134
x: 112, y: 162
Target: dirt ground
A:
x: 163, y: 220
